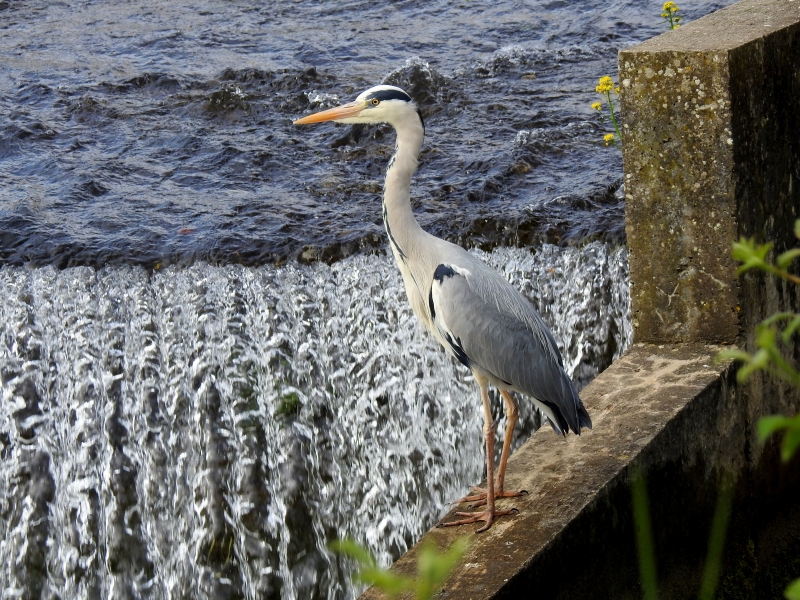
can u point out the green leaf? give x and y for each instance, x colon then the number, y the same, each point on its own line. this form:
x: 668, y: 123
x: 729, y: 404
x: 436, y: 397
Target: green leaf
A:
x: 793, y: 591
x: 750, y: 255
x: 385, y: 580
x: 644, y: 537
x: 434, y: 566
x: 769, y: 425
x: 791, y: 328
x: 785, y: 260
x: 776, y: 318
x: 743, y: 249
x: 746, y: 249
x: 774, y: 423
x: 758, y: 362
x: 790, y: 443
x: 349, y: 548
x: 797, y: 235
x: 765, y: 337
x: 716, y: 543
x: 739, y: 355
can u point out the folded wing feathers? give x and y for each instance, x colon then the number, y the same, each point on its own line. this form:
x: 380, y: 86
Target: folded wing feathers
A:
x: 498, y: 330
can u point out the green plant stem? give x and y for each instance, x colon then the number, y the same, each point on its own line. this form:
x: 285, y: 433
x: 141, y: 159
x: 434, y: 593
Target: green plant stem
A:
x: 782, y: 273
x: 613, y: 118
x: 644, y: 537
x: 716, y: 544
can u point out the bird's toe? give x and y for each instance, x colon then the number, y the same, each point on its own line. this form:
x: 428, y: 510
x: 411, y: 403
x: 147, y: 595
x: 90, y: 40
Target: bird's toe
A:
x: 487, y: 516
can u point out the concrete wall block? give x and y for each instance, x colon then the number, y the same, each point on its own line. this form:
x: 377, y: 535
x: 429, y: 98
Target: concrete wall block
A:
x: 711, y: 124
x: 680, y: 205
x: 765, y: 83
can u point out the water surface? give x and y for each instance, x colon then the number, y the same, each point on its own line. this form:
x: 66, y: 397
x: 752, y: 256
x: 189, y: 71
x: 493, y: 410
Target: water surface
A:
x: 151, y: 132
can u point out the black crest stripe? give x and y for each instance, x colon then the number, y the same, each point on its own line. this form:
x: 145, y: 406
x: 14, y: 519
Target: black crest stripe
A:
x: 390, y: 95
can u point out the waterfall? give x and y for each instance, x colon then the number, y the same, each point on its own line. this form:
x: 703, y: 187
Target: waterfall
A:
x: 206, y: 431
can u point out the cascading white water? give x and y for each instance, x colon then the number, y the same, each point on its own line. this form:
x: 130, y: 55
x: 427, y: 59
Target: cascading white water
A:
x: 204, y: 432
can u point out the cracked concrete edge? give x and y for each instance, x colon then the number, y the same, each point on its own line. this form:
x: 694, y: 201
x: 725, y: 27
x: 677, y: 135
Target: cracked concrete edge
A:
x: 727, y: 28
x: 632, y: 404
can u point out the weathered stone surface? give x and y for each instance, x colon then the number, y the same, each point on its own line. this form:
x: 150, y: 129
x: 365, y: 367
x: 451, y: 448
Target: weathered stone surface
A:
x: 675, y: 414
x: 677, y: 393
x: 712, y: 136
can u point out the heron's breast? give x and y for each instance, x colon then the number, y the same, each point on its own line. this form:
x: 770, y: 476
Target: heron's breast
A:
x: 414, y: 286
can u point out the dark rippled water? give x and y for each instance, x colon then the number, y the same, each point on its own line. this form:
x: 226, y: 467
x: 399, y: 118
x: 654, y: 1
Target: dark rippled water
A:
x: 152, y: 132
x: 204, y: 428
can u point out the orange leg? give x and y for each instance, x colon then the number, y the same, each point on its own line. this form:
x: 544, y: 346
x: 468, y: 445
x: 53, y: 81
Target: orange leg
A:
x: 512, y: 414
x: 490, y: 513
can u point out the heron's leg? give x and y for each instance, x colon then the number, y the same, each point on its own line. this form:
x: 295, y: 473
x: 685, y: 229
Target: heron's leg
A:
x: 488, y: 433
x: 512, y: 415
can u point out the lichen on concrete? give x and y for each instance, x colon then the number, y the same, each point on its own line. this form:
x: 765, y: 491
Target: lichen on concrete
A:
x: 693, y: 135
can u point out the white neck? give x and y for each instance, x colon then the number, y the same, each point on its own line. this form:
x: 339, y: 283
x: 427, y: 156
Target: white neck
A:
x: 401, y: 226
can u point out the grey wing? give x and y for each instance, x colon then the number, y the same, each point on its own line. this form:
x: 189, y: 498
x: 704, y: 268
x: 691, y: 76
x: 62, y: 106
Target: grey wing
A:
x: 489, y: 324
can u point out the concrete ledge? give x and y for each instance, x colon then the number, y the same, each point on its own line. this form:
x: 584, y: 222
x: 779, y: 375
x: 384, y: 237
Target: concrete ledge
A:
x: 573, y: 538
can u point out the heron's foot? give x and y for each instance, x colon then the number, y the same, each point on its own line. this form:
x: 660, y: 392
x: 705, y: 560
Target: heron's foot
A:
x: 487, y: 516
x: 478, y: 498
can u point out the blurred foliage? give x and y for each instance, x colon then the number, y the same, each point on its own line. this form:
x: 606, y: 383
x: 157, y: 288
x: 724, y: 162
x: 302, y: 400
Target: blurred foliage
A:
x: 644, y: 537
x: 433, y: 568
x: 645, y: 547
x: 793, y: 591
x: 772, y: 337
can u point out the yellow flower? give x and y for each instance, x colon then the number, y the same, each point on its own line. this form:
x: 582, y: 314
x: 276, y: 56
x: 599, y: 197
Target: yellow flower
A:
x: 670, y: 7
x: 596, y: 105
x: 609, y: 137
x: 616, y: 90
x: 605, y: 85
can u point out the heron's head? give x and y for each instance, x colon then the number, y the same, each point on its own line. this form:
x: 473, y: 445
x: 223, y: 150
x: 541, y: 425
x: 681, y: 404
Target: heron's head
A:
x: 379, y: 104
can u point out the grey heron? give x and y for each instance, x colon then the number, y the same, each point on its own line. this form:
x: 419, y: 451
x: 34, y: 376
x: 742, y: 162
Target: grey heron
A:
x: 471, y: 310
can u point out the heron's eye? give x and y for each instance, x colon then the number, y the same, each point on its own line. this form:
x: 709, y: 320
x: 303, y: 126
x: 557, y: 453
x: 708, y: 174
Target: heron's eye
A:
x: 375, y: 102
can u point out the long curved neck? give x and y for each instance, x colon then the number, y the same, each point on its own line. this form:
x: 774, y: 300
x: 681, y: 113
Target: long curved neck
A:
x: 401, y: 226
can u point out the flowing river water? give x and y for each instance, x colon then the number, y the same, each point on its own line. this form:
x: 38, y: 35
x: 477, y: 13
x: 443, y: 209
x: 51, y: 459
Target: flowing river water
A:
x: 209, y: 369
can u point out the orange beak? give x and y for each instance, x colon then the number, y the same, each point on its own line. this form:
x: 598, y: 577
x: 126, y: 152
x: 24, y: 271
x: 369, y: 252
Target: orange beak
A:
x: 351, y: 109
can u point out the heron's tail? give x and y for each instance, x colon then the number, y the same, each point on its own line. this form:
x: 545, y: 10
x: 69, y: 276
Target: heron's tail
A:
x: 569, y: 414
